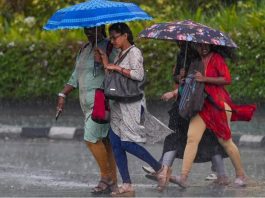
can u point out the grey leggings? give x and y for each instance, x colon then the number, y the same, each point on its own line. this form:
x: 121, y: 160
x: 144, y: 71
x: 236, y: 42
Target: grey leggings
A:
x: 217, y: 162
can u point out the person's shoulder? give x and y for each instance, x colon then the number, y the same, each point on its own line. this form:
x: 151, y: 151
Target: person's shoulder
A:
x: 135, y: 50
x: 217, y: 56
x: 84, y: 46
x: 218, y: 59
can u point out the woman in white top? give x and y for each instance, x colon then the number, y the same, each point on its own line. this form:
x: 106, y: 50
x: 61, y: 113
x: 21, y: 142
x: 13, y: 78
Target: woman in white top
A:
x: 126, y: 125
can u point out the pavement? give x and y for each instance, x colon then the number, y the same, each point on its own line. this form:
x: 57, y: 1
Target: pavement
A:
x: 43, y: 167
x: 42, y: 157
x: 37, y: 120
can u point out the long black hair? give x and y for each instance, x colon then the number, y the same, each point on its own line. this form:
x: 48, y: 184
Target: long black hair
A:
x: 226, y: 52
x: 122, y: 28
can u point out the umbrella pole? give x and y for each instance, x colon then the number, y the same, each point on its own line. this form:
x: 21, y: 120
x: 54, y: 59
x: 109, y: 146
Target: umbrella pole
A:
x: 96, y: 45
x: 96, y: 37
x: 185, y: 59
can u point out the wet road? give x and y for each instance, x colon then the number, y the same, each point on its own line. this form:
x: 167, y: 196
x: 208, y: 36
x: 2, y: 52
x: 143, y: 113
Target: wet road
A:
x: 41, y: 167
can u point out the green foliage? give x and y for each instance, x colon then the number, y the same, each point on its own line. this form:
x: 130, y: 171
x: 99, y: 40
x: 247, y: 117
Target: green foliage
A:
x: 249, y: 74
x: 36, y: 63
x: 35, y: 70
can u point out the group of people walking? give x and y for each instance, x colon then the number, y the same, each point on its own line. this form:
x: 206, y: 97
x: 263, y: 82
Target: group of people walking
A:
x: 205, y: 137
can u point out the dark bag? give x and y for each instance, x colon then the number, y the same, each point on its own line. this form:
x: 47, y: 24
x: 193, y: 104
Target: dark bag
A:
x: 192, y: 97
x: 121, y: 88
x: 101, y: 109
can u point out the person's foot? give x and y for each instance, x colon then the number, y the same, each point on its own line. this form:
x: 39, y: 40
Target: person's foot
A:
x: 152, y: 176
x: 222, y: 181
x: 125, y: 190
x: 181, y: 181
x: 148, y: 169
x: 103, y: 187
x: 240, y: 181
x: 163, y: 177
x: 211, y: 176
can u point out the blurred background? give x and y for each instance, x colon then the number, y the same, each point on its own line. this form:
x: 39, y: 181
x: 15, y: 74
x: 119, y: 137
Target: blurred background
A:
x: 35, y: 63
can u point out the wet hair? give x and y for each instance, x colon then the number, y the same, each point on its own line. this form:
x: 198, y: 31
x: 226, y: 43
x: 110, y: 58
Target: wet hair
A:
x: 122, y: 28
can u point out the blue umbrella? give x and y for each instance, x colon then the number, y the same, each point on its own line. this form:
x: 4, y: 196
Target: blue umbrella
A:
x: 95, y: 13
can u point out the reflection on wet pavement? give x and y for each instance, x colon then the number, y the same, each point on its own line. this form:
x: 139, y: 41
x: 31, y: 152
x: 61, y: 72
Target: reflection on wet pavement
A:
x: 47, y: 168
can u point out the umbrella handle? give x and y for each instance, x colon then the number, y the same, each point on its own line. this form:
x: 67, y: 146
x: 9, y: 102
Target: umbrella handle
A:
x: 185, y: 59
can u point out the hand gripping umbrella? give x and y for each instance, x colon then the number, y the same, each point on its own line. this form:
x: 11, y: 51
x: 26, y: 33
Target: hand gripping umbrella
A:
x: 94, y: 13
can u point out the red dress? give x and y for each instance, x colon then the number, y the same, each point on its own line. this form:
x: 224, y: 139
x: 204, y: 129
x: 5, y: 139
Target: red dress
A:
x: 215, y: 118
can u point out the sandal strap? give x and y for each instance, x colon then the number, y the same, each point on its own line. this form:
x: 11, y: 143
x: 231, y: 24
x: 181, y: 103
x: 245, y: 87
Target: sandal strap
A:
x: 103, y: 182
x: 98, y: 188
x: 106, y: 183
x: 122, y: 189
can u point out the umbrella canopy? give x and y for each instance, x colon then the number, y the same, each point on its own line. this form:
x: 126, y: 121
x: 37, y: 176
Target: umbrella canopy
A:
x: 187, y: 31
x: 95, y: 13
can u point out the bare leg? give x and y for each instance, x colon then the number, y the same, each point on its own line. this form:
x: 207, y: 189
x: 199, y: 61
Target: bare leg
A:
x: 195, y: 132
x: 101, y: 155
x: 231, y: 149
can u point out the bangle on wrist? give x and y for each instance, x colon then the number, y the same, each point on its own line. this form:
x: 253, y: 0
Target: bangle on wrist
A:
x: 62, y: 95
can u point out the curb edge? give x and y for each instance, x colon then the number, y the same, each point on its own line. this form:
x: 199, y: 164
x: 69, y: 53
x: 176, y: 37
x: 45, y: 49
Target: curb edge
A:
x: 71, y: 133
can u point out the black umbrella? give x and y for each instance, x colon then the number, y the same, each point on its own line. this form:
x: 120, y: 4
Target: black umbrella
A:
x: 187, y: 31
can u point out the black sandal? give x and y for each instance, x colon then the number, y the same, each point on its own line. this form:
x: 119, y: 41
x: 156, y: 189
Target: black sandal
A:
x: 102, y: 189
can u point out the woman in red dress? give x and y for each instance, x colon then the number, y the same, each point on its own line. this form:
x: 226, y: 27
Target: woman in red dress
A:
x: 217, y: 112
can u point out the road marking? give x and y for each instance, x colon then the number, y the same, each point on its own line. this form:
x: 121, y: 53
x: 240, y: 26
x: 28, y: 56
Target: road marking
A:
x: 62, y: 132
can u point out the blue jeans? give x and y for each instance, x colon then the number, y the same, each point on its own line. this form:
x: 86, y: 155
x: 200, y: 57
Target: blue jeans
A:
x: 119, y: 149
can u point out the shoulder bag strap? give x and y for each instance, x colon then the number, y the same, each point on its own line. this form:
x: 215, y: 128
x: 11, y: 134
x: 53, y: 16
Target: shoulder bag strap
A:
x: 123, y: 56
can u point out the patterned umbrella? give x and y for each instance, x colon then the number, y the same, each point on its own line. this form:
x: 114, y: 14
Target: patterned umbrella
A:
x: 95, y: 13
x: 187, y: 31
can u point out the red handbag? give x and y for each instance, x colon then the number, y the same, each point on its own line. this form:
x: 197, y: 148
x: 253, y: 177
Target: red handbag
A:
x: 243, y: 112
x: 101, y: 109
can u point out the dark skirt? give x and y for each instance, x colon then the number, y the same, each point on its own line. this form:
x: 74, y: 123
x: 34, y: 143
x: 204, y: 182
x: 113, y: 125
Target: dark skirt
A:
x: 208, y: 147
